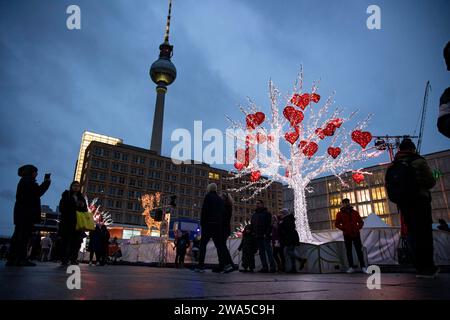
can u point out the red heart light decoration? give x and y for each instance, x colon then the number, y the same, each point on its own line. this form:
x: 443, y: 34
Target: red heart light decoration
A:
x: 358, y: 177
x: 239, y: 165
x: 260, y: 137
x: 309, y: 149
x: 254, y: 120
x: 334, y: 152
x: 270, y: 138
x: 314, y: 97
x: 361, y: 137
x: 286, y: 173
x: 300, y: 101
x: 291, y: 137
x: 293, y: 116
x: 329, y: 129
x: 320, y: 133
x: 255, y: 176
x: 337, y: 122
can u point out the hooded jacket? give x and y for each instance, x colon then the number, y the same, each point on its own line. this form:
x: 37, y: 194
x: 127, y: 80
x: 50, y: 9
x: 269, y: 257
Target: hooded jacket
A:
x: 288, y: 233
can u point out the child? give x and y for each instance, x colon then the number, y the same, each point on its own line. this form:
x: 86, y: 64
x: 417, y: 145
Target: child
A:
x: 249, y: 247
x: 181, y: 244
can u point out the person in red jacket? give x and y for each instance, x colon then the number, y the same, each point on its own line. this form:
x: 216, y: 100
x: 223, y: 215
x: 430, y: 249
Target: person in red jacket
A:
x: 349, y: 221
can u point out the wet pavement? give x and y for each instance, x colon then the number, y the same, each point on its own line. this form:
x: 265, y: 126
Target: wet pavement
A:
x: 49, y: 281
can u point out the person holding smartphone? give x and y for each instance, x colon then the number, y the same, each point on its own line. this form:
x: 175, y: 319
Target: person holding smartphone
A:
x: 27, y: 212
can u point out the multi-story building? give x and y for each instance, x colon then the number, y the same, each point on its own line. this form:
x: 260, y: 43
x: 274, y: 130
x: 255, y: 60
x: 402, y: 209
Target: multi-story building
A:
x: 119, y: 175
x: 370, y: 196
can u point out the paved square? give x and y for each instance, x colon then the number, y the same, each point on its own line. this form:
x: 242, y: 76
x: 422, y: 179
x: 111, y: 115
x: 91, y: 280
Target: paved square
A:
x: 48, y: 281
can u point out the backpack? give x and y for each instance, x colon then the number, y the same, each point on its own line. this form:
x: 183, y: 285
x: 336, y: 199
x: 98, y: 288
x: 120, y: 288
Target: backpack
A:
x: 401, y: 183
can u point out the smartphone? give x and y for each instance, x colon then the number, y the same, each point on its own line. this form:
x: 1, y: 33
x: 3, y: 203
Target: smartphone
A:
x: 47, y: 176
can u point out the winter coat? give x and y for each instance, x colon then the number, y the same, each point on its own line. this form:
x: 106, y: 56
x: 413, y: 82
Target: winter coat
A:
x: 262, y: 223
x: 182, y: 244
x: 68, y: 207
x: 27, y: 209
x: 423, y: 173
x: 349, y: 221
x: 248, y: 244
x: 288, y: 233
x: 99, y: 240
x: 213, y: 211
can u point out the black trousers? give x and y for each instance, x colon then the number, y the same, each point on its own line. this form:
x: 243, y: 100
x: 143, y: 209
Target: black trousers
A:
x: 215, y: 233
x: 70, y: 245
x: 248, y: 259
x: 418, y: 220
x: 278, y: 255
x: 356, y: 241
x: 19, y: 242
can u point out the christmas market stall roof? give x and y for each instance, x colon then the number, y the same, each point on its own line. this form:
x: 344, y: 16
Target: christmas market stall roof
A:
x: 374, y: 221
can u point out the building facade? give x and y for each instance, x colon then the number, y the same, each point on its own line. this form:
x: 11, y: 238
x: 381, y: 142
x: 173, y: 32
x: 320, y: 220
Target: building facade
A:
x: 119, y: 175
x: 370, y: 196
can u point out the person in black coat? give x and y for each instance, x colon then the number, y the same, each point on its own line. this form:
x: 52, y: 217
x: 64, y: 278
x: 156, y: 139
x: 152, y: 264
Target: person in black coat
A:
x: 248, y: 247
x: 99, y: 241
x: 262, y: 227
x: 27, y: 212
x: 290, y: 240
x: 71, y: 201
x: 212, y: 226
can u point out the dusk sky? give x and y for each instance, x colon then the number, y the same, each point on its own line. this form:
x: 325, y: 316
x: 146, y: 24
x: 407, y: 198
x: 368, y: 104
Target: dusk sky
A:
x: 56, y: 83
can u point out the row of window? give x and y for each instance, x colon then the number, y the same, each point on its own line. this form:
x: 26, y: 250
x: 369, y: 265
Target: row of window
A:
x: 154, y: 163
x: 363, y: 195
x: 379, y: 207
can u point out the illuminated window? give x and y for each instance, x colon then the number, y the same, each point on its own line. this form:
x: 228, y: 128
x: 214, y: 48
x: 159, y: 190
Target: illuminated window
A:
x: 364, y: 210
x: 214, y: 176
x: 333, y: 213
x: 380, y: 208
x: 335, y: 200
x: 350, y: 196
x: 363, y: 195
x: 378, y: 193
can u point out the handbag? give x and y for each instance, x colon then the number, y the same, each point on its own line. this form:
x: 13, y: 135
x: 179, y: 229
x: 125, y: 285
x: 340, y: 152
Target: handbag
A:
x: 85, y: 221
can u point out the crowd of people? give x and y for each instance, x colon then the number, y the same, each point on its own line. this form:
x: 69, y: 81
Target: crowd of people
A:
x: 27, y: 245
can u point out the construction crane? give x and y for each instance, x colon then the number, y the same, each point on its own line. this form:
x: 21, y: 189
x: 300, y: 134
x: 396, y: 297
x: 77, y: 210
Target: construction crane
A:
x: 390, y: 143
x: 424, y: 112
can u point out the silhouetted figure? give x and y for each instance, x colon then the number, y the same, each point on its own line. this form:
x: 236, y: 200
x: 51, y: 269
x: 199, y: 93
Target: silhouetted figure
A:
x: 262, y: 228
x: 290, y: 240
x: 46, y: 245
x: 71, y: 201
x: 99, y: 241
x: 278, y: 248
x: 349, y: 222
x: 443, y: 225
x: 249, y: 247
x: 416, y: 207
x: 181, y: 245
x: 443, y: 123
x: 27, y: 212
x: 212, y: 226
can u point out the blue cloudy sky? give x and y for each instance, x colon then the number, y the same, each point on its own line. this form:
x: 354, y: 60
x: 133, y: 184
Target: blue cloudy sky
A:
x: 56, y: 83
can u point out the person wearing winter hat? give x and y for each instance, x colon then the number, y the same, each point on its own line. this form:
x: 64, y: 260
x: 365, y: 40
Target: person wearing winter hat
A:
x: 27, y: 212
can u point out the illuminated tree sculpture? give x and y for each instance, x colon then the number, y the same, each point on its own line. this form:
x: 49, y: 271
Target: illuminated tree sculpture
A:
x: 317, y: 143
